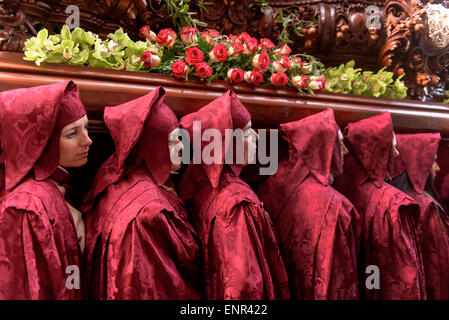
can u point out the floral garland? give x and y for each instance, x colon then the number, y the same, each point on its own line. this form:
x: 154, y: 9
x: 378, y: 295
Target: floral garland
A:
x: 206, y: 55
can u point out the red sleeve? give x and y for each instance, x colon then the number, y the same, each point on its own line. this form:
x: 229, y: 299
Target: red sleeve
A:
x: 242, y: 259
x: 154, y: 256
x: 30, y: 267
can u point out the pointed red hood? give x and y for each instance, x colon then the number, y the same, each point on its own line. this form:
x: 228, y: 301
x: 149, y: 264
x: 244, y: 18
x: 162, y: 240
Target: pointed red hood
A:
x: 31, y: 121
x: 225, y: 112
x: 315, y: 140
x: 418, y: 153
x: 372, y: 141
x: 139, y: 129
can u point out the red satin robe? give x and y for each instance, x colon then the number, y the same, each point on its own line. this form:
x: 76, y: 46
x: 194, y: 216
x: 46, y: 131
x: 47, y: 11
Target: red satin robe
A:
x: 38, y: 243
x: 318, y: 232
x: 139, y: 244
x: 388, y: 237
x: 417, y: 156
x: 241, y: 255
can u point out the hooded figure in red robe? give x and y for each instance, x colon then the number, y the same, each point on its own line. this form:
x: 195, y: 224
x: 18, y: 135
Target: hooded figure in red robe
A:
x: 414, y: 173
x: 241, y: 255
x: 139, y: 244
x: 42, y: 130
x: 317, y: 227
x: 390, y: 265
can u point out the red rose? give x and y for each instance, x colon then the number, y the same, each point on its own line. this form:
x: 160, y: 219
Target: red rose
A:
x: 297, y: 61
x: 235, y: 49
x: 179, y: 69
x: 194, y: 55
x: 283, y: 65
x: 243, y: 36
x: 300, y: 81
x: 283, y: 51
x: 188, y: 35
x: 261, y: 61
x: 266, y: 44
x: 251, y: 45
x: 279, y: 79
x: 254, y: 77
x: 150, y: 59
x: 219, y: 53
x: 235, y: 75
x: 317, y: 82
x: 145, y: 32
x: 203, y: 70
x: 233, y: 37
x: 166, y: 37
x: 209, y: 36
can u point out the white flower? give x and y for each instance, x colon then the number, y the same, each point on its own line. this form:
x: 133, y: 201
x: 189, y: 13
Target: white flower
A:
x: 48, y: 45
x: 135, y: 59
x: 103, y: 48
x: 112, y: 45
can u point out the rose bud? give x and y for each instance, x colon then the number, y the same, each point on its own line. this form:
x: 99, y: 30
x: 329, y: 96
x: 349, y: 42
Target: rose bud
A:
x: 209, y: 36
x: 235, y: 49
x: 235, y: 75
x: 296, y: 61
x: 251, y: 45
x: 150, y: 59
x: 145, y: 32
x: 266, y: 45
x: 166, y: 37
x: 299, y: 81
x: 283, y: 51
x: 261, y: 61
x: 188, y: 35
x: 283, y: 65
x: 317, y: 82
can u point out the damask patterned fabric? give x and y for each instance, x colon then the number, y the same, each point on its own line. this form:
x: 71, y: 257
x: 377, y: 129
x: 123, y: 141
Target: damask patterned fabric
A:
x: 417, y: 153
x: 240, y: 253
x: 38, y: 240
x: 139, y: 243
x: 317, y: 227
x: 389, y: 237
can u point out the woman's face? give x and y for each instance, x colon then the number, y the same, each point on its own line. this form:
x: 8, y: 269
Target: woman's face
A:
x: 395, y: 150
x: 250, y: 138
x: 175, y: 147
x: 434, y: 171
x: 74, y: 144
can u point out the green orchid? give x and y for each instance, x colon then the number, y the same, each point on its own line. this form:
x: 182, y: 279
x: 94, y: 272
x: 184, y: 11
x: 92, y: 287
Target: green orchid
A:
x: 358, y: 86
x: 121, y: 38
x: 68, y: 52
x: 85, y: 39
x: 37, y: 48
x: 134, y: 52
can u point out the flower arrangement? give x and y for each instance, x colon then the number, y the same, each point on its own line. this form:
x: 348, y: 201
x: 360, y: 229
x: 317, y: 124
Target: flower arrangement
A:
x: 206, y: 55
x: 348, y: 80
